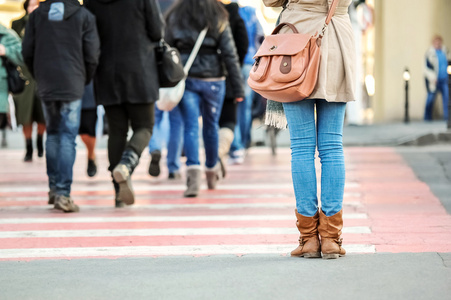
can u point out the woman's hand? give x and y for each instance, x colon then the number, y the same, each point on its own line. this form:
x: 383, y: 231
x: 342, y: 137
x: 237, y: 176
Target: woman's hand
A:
x: 2, y: 50
x: 239, y: 99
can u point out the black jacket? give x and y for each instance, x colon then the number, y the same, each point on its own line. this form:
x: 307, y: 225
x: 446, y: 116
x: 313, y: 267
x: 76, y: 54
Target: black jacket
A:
x: 239, y: 34
x: 61, y: 54
x: 217, y: 50
x: 128, y: 30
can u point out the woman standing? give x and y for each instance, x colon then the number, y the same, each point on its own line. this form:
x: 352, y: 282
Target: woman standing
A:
x: 126, y: 81
x: 205, y: 86
x: 334, y: 88
x: 27, y: 104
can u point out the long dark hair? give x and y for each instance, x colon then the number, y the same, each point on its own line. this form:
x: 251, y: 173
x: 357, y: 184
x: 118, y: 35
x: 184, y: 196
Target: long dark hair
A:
x: 197, y: 14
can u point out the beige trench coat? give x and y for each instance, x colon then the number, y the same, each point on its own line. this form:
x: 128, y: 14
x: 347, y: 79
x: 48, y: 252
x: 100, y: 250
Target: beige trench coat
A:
x: 336, y: 81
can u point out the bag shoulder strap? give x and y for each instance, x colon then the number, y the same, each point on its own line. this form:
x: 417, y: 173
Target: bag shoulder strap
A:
x: 195, y: 50
x: 330, y: 14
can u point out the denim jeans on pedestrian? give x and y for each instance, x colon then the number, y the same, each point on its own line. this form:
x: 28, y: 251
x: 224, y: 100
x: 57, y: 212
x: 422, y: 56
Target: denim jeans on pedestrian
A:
x: 173, y: 137
x: 63, y: 121
x: 244, y: 115
x: 202, y: 98
x: 442, y: 87
x: 306, y: 136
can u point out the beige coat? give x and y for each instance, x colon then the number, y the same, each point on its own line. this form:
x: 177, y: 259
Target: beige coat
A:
x: 336, y: 81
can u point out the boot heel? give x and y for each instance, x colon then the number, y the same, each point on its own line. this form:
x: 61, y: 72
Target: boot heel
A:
x: 330, y: 256
x: 312, y: 255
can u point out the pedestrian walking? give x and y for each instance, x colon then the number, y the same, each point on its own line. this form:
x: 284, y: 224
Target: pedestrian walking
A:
x: 335, y: 87
x: 228, y: 119
x: 205, y: 85
x: 126, y: 82
x: 436, y: 76
x: 10, y: 48
x: 242, y: 138
x: 61, y: 50
x: 27, y: 105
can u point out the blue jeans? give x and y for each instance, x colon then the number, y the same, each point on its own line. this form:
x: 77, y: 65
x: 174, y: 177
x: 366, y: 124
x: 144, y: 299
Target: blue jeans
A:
x: 202, y: 98
x: 305, y: 137
x: 160, y: 136
x: 244, y: 115
x: 442, y: 87
x: 63, y: 121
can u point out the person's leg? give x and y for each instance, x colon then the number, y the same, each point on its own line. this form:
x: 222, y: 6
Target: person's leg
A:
x: 246, y: 118
x: 301, y: 124
x: 211, y: 106
x: 155, y: 144
x: 190, y: 110
x: 40, y: 139
x: 227, y: 123
x: 88, y: 136
x: 330, y: 119
x: 27, y: 132
x: 39, y: 119
x: 429, y: 105
x: 52, y: 145
x: 444, y: 90
x: 175, y: 142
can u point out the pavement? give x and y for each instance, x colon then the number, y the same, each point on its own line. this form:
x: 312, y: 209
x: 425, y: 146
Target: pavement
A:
x: 232, y: 243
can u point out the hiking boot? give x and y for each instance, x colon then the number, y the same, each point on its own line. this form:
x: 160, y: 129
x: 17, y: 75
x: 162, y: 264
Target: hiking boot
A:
x: 66, y: 204
x: 154, y: 167
x: 92, y: 168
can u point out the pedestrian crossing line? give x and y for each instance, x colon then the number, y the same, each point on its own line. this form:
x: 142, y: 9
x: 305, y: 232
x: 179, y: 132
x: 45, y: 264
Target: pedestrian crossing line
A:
x: 162, y: 219
x: 162, y: 232
x: 161, y: 187
x: 152, y: 251
x: 212, y: 206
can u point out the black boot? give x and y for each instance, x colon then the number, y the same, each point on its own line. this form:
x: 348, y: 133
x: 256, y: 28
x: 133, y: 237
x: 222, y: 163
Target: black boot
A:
x: 29, y: 154
x: 40, y: 145
x: 122, y: 175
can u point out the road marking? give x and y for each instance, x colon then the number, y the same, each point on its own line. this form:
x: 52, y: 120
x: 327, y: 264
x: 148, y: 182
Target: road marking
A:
x: 163, y: 232
x: 162, y: 251
x: 160, y: 219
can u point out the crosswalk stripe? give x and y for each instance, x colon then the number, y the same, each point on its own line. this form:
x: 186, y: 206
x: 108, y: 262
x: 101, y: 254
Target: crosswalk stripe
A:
x: 160, y: 219
x: 148, y: 251
x: 162, y: 232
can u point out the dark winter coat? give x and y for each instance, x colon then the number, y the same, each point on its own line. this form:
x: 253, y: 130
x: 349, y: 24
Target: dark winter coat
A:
x: 217, y: 50
x: 61, y: 49
x: 129, y: 30
x: 240, y: 37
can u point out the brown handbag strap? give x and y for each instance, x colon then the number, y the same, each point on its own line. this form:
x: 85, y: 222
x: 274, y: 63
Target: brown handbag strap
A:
x: 330, y: 14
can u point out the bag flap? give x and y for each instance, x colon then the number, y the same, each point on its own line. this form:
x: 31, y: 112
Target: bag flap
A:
x: 283, y: 44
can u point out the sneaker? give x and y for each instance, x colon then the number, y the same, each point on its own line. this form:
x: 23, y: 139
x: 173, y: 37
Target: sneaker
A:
x: 52, y: 196
x: 174, y: 176
x: 237, y: 157
x: 92, y: 168
x: 154, y: 167
x: 66, y: 204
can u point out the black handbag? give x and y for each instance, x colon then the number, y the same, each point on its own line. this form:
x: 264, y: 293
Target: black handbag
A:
x: 16, y: 83
x: 169, y: 62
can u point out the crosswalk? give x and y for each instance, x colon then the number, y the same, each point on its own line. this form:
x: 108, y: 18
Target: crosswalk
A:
x: 251, y: 212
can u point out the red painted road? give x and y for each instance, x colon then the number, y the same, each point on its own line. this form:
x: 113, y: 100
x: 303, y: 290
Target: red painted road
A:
x: 386, y: 209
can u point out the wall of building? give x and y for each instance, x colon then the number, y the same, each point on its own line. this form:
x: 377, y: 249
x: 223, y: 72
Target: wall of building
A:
x: 404, y: 29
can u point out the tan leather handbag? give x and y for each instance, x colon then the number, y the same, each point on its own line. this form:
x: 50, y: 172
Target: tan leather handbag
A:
x: 286, y: 65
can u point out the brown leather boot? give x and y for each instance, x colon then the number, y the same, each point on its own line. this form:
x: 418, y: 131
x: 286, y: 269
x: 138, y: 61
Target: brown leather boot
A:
x: 330, y: 231
x: 309, y: 245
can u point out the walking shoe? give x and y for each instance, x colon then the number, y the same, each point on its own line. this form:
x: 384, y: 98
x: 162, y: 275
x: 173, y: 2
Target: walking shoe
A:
x: 237, y: 157
x: 122, y: 175
x: 92, y: 168
x: 154, y: 167
x: 52, y: 196
x: 117, y: 202
x: 174, y: 176
x: 66, y: 204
